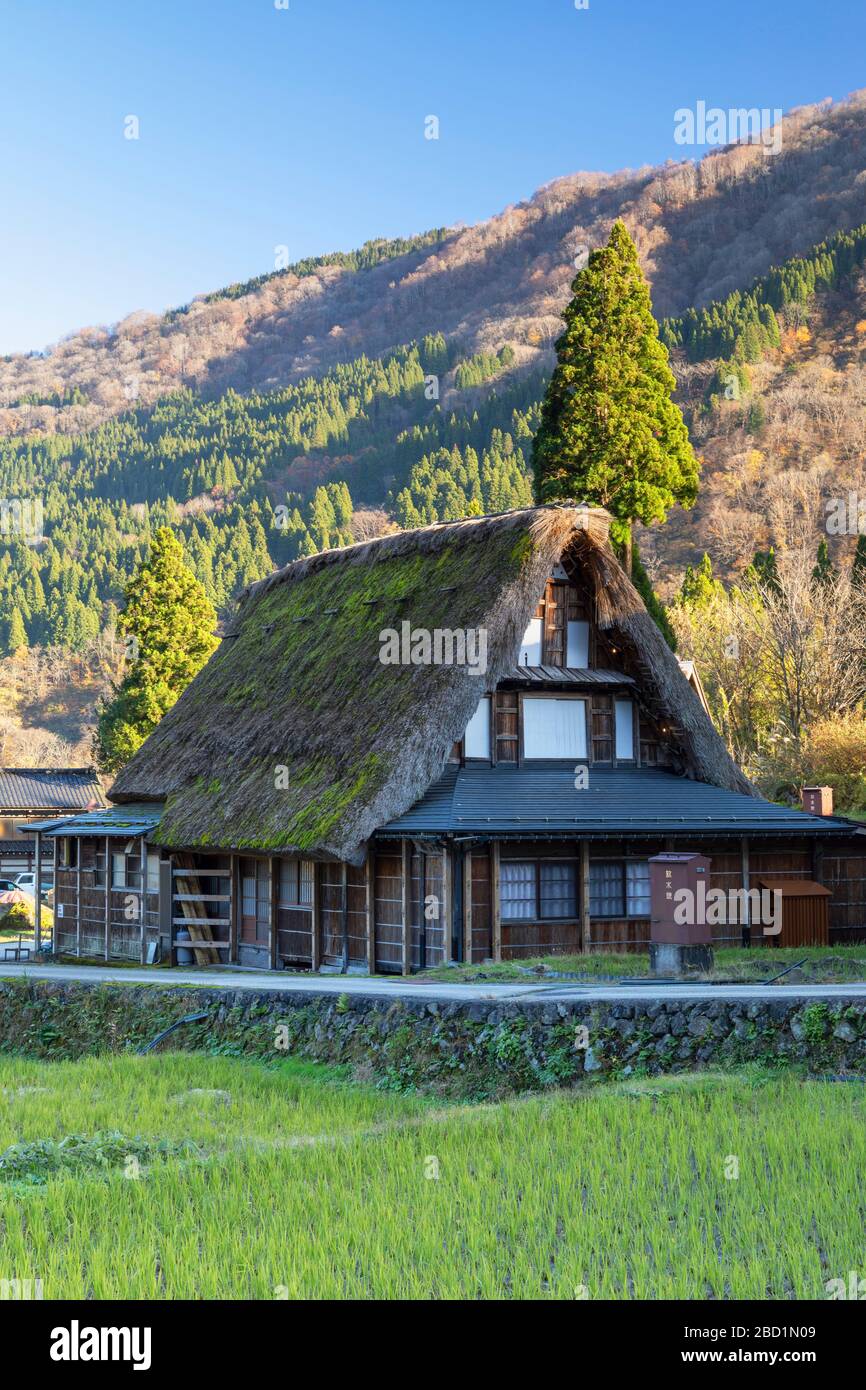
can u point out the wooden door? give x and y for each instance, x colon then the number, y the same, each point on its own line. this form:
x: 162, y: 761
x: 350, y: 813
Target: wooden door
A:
x: 255, y: 902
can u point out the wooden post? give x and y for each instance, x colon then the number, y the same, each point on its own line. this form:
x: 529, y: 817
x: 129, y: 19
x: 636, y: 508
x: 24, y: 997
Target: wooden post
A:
x: 370, y: 889
x: 78, y: 898
x: 143, y: 942
x: 37, y: 909
x: 817, y: 861
x: 344, y: 916
x: 467, y: 907
x: 234, y: 904
x: 585, y: 924
x: 407, y: 903
x: 107, y: 898
x: 747, y: 925
x: 275, y: 881
x: 445, y: 904
x: 496, y: 900
x: 315, y: 950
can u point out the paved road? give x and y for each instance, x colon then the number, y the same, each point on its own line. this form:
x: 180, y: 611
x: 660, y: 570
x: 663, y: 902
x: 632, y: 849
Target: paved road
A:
x: 399, y: 988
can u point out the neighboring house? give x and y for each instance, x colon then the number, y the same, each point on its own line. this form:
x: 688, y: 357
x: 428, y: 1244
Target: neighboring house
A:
x: 31, y: 793
x: 690, y: 671
x: 337, y: 788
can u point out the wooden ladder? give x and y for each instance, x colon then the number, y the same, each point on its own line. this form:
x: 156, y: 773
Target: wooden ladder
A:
x: 195, y: 913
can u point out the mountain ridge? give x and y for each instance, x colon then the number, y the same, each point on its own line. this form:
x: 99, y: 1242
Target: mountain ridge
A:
x: 703, y: 229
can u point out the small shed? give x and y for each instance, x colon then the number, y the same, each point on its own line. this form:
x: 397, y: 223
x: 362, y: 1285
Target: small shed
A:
x: 805, y: 911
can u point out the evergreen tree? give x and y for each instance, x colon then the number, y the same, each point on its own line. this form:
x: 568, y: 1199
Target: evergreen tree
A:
x: 763, y: 569
x: 169, y: 623
x: 699, y: 587
x: 610, y: 432
x: 17, y: 632
x: 825, y: 571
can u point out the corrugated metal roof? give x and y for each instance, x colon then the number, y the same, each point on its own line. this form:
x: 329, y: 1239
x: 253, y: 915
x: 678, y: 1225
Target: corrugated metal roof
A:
x: 566, y: 675
x: 24, y: 789
x: 541, y: 797
x: 130, y: 820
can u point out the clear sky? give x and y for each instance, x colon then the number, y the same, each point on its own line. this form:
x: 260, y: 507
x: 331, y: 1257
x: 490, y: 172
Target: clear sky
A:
x: 262, y: 126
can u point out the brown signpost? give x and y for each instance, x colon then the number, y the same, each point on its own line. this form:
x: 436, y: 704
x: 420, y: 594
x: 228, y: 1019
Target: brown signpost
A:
x: 680, y: 939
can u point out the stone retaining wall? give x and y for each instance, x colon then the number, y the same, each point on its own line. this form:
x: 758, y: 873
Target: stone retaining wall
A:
x: 471, y: 1049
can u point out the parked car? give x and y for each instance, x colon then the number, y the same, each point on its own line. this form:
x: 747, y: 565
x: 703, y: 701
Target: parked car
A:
x: 7, y: 885
x: 27, y: 881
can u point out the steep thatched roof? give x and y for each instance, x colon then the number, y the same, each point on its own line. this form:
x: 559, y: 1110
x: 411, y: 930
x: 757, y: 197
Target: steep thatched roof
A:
x: 295, y: 736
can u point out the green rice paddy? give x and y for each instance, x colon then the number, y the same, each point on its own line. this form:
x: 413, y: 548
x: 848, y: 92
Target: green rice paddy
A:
x: 185, y: 1176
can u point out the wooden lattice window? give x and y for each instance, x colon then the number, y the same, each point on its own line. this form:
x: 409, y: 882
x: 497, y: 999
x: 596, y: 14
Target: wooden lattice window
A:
x: 506, y: 726
x: 602, y: 729
x: 563, y: 617
x: 296, y: 882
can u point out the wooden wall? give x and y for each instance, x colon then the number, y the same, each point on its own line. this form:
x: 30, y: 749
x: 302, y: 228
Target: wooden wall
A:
x: 339, y: 884
x: 478, y: 924
x: 428, y: 912
x: 844, y: 873
x: 388, y: 910
x: 405, y: 895
x: 98, y: 920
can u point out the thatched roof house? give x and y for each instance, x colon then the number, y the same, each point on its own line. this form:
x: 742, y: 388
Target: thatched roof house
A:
x: 299, y: 684
x: 464, y: 741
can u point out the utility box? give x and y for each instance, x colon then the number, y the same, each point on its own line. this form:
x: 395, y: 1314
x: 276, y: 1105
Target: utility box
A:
x: 680, y: 937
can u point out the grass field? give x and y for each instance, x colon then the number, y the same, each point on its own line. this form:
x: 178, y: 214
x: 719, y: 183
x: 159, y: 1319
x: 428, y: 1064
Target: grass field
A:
x: 199, y: 1177
x: 818, y: 965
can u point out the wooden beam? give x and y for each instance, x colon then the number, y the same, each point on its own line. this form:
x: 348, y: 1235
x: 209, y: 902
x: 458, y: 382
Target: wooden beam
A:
x: 370, y: 897
x: 344, y: 914
x: 37, y: 910
x: 142, y: 944
x: 585, y: 924
x: 445, y: 904
x: 275, y: 881
x: 407, y: 904
x: 107, y: 899
x: 78, y: 901
x: 467, y: 907
x: 744, y: 858
x: 315, y: 948
x: 234, y: 908
x: 496, y: 899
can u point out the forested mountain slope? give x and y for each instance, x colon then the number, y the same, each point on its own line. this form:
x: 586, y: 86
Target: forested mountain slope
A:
x: 702, y: 229
x: 258, y: 430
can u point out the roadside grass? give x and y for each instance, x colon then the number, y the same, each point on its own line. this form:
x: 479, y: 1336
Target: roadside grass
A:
x: 304, y: 1185
x: 821, y: 965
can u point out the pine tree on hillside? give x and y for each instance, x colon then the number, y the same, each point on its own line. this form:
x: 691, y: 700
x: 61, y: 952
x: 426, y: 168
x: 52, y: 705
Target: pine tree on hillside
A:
x: 17, y: 639
x: 763, y: 570
x: 168, y: 623
x: 699, y: 587
x: 825, y: 571
x: 610, y: 432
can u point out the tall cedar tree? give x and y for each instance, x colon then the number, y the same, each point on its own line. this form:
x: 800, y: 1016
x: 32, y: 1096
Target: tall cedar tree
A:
x: 168, y: 623
x: 610, y: 433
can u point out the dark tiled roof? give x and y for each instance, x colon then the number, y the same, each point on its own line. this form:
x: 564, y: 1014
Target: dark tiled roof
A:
x: 114, y: 820
x: 16, y: 849
x: 24, y: 789
x: 541, y: 798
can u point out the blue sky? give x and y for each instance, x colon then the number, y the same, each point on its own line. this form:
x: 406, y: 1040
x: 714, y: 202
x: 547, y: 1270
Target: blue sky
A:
x: 304, y: 127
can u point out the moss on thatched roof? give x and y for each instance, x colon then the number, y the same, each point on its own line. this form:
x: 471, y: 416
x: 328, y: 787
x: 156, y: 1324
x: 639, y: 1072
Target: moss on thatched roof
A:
x: 295, y: 737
